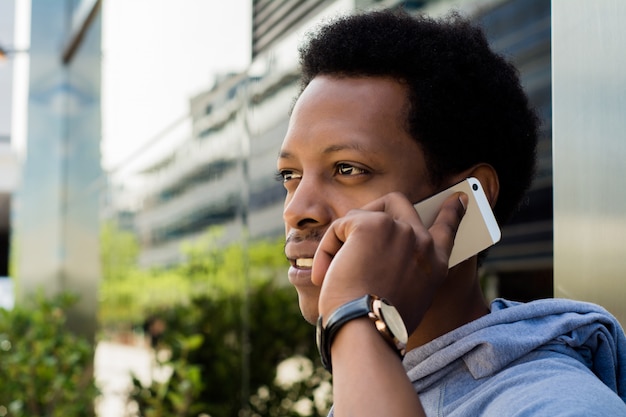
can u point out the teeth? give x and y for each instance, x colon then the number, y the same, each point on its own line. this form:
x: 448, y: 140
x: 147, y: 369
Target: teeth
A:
x: 304, y: 262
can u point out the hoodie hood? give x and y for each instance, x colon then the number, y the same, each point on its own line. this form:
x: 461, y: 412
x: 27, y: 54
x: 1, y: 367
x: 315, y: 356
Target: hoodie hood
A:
x: 512, y: 330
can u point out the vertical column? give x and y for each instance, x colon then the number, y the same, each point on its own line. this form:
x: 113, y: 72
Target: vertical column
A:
x: 589, y: 150
x: 56, y: 211
x: 37, y: 211
x: 8, y: 159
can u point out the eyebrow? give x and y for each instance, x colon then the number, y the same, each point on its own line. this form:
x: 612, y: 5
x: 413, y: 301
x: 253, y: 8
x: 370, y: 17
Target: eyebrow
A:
x: 328, y: 150
x: 341, y: 147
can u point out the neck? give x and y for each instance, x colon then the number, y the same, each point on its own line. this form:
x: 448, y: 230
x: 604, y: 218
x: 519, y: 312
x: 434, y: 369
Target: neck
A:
x: 459, y: 301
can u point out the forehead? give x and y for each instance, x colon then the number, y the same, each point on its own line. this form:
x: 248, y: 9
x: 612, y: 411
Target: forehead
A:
x: 361, y: 111
x: 366, y: 95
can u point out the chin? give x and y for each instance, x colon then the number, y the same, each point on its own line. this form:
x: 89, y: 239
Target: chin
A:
x: 308, y: 308
x: 308, y: 300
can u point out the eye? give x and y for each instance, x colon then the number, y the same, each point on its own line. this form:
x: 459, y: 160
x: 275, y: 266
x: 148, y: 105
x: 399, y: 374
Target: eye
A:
x: 285, y: 175
x: 350, y: 170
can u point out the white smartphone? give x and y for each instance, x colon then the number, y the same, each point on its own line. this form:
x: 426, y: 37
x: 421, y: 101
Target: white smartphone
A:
x: 478, y: 229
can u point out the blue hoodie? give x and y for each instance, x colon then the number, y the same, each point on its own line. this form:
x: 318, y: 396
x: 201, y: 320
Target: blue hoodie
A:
x: 551, y: 357
x: 546, y: 358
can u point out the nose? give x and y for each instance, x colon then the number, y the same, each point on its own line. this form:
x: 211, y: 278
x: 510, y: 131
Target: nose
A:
x: 306, y: 206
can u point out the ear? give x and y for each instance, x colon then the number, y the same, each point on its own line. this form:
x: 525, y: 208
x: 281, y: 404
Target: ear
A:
x: 488, y: 177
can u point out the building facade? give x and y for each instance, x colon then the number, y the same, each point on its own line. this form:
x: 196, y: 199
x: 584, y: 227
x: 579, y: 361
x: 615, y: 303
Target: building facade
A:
x: 224, y: 175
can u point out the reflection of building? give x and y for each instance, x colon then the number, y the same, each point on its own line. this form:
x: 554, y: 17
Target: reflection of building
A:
x: 200, y: 183
x: 206, y: 182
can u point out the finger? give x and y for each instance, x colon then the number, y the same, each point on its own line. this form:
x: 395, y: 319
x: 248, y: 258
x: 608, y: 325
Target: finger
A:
x: 396, y: 205
x: 327, y: 249
x: 446, y: 224
x: 402, y: 210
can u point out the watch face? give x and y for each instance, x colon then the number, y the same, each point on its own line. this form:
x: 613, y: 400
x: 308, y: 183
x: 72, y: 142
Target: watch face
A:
x: 394, y: 322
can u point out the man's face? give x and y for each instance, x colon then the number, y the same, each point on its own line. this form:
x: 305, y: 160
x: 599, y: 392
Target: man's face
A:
x: 346, y: 145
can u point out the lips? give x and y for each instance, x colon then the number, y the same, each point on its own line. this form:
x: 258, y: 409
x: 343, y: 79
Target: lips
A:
x: 300, y: 249
x: 300, y: 254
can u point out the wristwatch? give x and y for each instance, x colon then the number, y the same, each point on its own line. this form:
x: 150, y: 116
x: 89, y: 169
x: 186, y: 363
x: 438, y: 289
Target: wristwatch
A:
x: 384, y: 316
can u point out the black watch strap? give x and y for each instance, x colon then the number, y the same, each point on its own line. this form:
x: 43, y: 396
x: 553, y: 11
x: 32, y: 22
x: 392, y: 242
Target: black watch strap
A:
x: 349, y: 311
x: 384, y: 316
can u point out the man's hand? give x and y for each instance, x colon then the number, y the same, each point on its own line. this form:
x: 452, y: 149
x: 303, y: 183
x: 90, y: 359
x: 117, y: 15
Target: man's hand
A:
x: 384, y: 249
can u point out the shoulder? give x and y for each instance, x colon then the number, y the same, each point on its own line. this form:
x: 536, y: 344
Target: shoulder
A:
x: 547, y: 384
x: 542, y: 383
x: 550, y: 306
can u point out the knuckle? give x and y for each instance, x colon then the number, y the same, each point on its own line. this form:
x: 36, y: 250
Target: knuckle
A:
x: 426, y: 241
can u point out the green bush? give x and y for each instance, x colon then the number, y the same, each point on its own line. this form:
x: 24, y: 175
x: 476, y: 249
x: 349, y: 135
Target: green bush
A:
x: 204, y: 302
x: 128, y: 293
x: 276, y: 332
x: 45, y: 370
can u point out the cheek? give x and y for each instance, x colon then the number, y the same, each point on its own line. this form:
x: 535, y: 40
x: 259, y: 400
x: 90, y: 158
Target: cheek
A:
x: 377, y: 189
x: 413, y: 182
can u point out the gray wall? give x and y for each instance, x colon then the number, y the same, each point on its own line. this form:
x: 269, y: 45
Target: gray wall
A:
x: 589, y: 151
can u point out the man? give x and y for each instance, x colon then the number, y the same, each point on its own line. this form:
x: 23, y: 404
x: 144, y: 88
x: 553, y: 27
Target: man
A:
x: 393, y: 109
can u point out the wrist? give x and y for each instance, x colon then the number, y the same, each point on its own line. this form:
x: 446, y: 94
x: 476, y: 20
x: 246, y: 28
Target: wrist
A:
x: 382, y: 315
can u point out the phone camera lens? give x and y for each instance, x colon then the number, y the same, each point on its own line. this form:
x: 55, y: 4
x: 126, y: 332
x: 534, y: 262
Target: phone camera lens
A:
x: 475, y: 187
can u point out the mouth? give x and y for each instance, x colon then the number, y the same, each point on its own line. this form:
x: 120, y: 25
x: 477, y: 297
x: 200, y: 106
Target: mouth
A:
x: 300, y: 246
x: 300, y: 271
x: 300, y: 250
